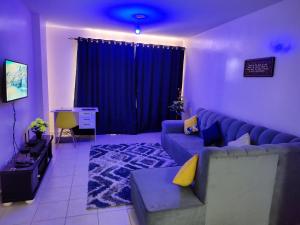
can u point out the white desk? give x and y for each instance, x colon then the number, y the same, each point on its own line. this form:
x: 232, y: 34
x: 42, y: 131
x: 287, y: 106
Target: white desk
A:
x: 86, y: 118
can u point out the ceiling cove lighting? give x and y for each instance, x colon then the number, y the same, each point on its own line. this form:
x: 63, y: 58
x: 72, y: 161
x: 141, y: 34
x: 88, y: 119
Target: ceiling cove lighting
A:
x: 121, y: 36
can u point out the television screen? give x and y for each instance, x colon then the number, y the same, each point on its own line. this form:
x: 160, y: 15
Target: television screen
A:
x: 16, y: 80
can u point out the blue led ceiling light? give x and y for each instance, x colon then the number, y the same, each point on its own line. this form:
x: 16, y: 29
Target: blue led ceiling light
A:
x: 136, y: 14
x: 139, y: 17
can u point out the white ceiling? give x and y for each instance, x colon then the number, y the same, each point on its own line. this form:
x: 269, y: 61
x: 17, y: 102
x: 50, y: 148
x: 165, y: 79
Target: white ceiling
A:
x: 183, y: 18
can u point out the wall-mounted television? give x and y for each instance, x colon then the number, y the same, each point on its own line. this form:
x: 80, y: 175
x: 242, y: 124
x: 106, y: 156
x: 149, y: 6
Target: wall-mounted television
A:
x: 15, y: 80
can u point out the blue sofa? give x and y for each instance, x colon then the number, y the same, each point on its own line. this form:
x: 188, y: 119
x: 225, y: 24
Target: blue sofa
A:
x: 181, y: 147
x: 260, y: 182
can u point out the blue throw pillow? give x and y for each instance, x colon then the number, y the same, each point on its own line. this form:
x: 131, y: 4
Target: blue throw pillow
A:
x: 198, y: 125
x: 212, y: 135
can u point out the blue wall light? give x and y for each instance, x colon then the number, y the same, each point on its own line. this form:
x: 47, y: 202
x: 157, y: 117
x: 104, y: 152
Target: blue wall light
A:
x: 281, y: 46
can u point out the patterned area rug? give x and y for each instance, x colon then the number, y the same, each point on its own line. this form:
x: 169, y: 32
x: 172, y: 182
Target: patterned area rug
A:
x: 109, y: 171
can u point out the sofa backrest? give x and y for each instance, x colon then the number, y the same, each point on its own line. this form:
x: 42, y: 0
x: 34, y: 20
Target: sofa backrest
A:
x: 232, y: 129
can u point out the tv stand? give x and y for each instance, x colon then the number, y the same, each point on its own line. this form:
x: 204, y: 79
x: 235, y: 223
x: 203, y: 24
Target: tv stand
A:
x: 21, y: 184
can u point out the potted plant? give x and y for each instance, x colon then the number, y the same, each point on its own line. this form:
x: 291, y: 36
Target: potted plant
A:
x: 178, y: 106
x: 38, y: 127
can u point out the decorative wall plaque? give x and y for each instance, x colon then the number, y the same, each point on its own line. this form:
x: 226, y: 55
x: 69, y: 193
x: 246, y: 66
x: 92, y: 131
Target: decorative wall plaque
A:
x: 262, y: 67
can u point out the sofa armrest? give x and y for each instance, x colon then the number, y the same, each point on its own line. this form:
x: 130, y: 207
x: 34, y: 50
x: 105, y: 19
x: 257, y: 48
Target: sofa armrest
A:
x: 225, y: 152
x: 172, y: 126
x: 242, y: 177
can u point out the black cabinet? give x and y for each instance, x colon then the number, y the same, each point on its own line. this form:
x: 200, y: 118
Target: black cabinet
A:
x: 21, y: 184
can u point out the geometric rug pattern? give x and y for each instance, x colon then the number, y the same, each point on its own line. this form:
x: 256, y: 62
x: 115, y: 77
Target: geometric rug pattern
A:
x: 110, y: 167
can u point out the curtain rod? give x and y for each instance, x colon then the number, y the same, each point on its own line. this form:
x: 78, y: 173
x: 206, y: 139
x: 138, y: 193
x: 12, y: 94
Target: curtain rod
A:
x: 73, y: 38
x: 78, y: 38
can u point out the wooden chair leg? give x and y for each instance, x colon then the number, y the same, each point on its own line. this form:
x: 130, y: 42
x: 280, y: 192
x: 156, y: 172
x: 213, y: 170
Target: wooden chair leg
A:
x: 61, y: 131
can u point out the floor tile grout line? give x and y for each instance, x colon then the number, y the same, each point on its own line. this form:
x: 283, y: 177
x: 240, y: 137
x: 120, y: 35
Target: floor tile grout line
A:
x: 41, y: 203
x: 74, y: 174
x: 44, y: 220
x: 98, y: 217
x: 63, y: 217
x: 37, y: 207
x: 129, y: 218
x: 70, y: 195
x: 39, y: 192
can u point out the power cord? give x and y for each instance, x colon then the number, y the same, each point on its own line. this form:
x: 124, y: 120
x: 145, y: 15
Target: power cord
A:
x: 15, y: 145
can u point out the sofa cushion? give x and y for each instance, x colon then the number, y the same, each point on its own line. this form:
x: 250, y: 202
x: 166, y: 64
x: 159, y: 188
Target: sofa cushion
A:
x: 282, y: 138
x: 294, y: 140
x: 187, y: 141
x: 190, y: 126
x: 241, y: 141
x: 182, y: 147
x: 267, y: 136
x: 233, y: 130
x: 159, y: 193
x: 212, y: 135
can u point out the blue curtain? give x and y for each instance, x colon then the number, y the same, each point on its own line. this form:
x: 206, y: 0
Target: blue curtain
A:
x: 105, y: 78
x: 159, y: 78
x: 132, y: 85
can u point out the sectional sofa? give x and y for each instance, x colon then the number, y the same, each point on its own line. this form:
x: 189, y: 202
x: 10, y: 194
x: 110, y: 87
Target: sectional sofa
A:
x: 258, y: 184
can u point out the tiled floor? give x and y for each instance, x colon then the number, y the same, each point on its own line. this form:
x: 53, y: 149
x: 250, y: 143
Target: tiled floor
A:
x: 61, y: 199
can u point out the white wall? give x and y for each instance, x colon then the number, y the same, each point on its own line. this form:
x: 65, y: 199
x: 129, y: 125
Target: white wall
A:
x: 40, y: 52
x: 61, y: 57
x: 214, y: 68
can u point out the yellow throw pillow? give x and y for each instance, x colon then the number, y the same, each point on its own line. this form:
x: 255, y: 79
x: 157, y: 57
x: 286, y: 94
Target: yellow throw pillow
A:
x: 185, y: 176
x: 191, y: 125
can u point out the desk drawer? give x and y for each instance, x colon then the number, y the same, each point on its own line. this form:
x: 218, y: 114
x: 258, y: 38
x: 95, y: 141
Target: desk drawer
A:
x: 85, y: 115
x: 86, y: 120
x: 87, y: 125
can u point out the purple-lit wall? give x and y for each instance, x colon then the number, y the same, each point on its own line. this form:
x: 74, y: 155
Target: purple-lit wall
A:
x: 214, y: 68
x: 16, y: 43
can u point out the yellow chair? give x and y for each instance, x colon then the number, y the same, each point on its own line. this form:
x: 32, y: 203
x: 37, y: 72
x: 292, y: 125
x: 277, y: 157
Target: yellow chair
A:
x: 66, y: 121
